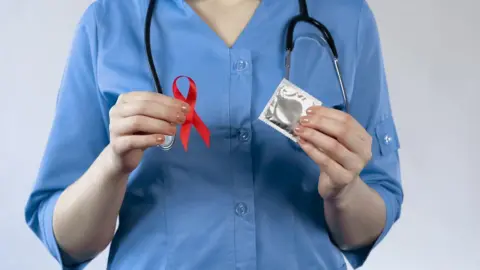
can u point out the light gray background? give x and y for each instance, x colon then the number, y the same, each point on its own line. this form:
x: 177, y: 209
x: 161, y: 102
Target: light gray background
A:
x: 431, y: 50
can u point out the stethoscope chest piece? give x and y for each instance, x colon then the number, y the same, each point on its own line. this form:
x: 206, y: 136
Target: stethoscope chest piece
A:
x: 168, y: 143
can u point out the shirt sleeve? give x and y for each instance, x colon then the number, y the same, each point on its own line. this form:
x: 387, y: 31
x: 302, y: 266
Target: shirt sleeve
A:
x: 370, y: 105
x: 78, y: 135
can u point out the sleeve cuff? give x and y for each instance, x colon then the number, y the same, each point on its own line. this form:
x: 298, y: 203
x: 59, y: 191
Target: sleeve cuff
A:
x: 358, y: 257
x: 47, y: 227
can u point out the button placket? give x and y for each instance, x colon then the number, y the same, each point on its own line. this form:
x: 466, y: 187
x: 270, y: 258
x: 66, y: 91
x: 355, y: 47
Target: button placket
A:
x: 243, y: 209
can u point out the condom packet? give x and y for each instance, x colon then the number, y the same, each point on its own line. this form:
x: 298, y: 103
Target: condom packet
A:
x: 284, y: 109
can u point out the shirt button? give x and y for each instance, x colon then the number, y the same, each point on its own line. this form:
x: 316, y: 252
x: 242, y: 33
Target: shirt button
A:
x: 241, y: 209
x: 387, y: 139
x: 241, y: 65
x: 244, y: 135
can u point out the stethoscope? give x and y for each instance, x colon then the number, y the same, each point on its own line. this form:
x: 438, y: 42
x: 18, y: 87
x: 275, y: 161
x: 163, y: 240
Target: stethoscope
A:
x: 303, y: 16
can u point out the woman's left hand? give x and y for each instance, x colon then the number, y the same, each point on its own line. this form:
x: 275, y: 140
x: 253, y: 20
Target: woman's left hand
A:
x: 338, y: 144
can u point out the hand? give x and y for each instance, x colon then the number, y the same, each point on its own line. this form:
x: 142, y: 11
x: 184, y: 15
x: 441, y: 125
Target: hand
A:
x: 338, y: 144
x: 140, y: 120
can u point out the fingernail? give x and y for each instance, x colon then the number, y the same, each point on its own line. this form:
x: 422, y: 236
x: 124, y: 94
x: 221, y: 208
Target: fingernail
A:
x: 160, y: 139
x: 304, y: 120
x: 309, y: 111
x: 181, y: 117
x: 184, y: 108
x: 298, y: 129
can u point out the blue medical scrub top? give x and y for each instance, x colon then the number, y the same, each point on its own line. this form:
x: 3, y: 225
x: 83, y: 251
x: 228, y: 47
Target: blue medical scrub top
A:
x: 250, y: 201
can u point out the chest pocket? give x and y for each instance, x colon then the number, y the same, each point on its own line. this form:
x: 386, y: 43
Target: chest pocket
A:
x: 312, y: 69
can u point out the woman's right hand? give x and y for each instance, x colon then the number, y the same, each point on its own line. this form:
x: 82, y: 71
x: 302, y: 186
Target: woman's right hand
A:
x: 140, y: 120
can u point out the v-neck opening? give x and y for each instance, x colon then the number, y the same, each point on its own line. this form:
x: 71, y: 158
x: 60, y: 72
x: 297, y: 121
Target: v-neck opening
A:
x: 211, y: 31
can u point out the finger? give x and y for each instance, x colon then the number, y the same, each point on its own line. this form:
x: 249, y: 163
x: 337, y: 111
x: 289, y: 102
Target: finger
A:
x: 153, y: 97
x: 329, y: 112
x: 124, y: 144
x: 340, y: 175
x: 151, y: 109
x: 332, y: 148
x: 141, y: 124
x: 350, y: 137
x: 340, y: 116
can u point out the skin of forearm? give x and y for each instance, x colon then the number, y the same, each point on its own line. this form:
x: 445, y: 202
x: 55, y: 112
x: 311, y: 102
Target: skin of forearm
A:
x: 85, y: 214
x: 356, y: 217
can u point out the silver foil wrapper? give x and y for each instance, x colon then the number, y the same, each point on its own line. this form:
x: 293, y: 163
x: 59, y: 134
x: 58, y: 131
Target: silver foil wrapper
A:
x: 286, y: 106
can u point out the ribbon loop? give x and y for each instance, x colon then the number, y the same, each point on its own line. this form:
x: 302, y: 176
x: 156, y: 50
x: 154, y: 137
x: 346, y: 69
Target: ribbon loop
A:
x: 192, y: 117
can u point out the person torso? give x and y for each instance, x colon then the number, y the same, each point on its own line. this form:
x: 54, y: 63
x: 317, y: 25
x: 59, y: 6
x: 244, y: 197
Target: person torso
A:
x: 250, y: 200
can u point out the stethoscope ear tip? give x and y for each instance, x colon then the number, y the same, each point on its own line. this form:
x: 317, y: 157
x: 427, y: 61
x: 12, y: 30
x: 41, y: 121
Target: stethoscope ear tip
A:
x: 168, y: 144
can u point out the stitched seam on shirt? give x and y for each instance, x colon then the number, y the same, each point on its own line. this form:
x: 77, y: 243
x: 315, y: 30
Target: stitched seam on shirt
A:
x: 359, y: 20
x: 96, y: 63
x: 97, y: 40
x: 357, y: 54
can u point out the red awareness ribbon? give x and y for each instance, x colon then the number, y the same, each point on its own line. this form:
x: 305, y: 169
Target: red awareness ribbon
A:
x: 192, y: 117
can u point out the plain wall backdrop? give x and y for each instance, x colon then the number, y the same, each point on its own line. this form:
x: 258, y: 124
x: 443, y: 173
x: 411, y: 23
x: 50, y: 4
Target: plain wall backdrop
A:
x: 431, y: 50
